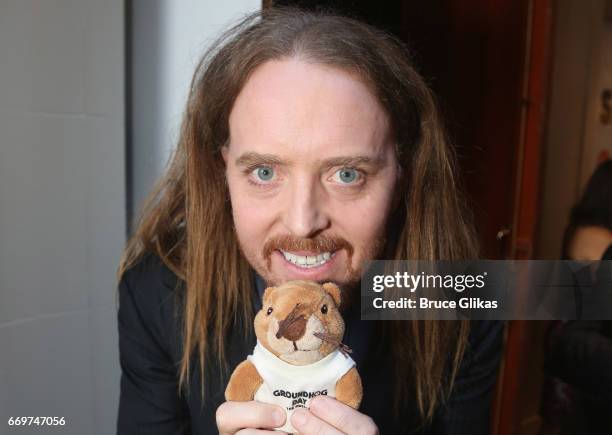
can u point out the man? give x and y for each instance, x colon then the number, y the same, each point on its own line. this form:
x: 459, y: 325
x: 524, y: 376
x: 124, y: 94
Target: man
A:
x: 309, y: 146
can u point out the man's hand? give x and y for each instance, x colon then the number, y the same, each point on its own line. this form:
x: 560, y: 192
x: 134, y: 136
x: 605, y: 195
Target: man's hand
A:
x: 249, y: 418
x: 328, y: 416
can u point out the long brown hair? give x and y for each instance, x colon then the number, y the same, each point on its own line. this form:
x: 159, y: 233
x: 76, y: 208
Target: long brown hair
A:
x: 187, y: 220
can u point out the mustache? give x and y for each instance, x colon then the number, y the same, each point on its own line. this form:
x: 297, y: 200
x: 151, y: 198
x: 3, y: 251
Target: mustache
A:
x: 320, y: 243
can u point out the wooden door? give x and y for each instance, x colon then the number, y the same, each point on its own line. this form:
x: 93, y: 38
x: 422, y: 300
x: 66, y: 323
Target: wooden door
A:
x: 488, y: 60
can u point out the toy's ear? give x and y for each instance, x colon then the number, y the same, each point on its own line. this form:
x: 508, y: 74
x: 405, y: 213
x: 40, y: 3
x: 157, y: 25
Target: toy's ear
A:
x: 267, y: 294
x: 334, y: 291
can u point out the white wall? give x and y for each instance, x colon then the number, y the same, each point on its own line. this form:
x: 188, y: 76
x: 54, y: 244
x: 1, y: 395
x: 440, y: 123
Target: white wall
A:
x: 62, y: 186
x: 577, y: 46
x: 598, y: 136
x: 168, y: 38
x: 62, y: 210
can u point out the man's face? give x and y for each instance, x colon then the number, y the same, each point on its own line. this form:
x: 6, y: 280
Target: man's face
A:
x: 311, y: 170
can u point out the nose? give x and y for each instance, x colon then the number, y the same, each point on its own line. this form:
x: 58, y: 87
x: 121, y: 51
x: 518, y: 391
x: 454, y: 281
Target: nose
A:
x: 304, y: 215
x: 293, y: 326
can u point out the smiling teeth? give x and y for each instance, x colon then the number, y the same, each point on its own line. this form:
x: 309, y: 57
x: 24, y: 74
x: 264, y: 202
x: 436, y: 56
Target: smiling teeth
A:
x: 307, y: 261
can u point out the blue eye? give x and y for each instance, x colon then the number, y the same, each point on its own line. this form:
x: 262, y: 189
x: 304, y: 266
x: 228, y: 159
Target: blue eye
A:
x: 347, y: 175
x: 264, y: 173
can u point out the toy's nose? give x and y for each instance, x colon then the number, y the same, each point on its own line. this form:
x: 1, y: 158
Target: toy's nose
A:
x: 292, y: 327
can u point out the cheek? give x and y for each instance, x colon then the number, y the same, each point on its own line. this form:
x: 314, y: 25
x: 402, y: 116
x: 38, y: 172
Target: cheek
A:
x: 251, y: 218
x: 373, y: 210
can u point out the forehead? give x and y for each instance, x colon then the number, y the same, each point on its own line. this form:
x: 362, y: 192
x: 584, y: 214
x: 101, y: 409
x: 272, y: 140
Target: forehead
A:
x: 294, y: 106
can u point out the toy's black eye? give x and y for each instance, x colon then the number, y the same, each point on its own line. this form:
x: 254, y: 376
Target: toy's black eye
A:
x: 324, y: 309
x: 269, y: 311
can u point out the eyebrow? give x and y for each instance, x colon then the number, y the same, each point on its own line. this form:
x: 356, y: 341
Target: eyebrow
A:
x: 254, y: 159
x: 350, y: 161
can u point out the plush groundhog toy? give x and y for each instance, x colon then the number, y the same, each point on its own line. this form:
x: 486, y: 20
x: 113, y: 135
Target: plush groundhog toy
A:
x: 299, y: 354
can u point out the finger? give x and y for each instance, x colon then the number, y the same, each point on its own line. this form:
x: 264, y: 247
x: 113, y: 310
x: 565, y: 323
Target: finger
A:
x: 342, y: 416
x: 233, y: 416
x: 309, y: 424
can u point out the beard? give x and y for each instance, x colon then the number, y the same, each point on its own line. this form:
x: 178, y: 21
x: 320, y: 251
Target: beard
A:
x: 262, y: 263
x: 318, y: 244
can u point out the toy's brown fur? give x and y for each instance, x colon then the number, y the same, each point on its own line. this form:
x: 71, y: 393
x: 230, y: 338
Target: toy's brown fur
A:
x: 349, y: 389
x: 244, y: 382
x: 291, y: 314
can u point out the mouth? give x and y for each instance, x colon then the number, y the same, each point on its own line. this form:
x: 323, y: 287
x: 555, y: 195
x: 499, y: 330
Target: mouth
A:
x: 297, y: 349
x: 311, y: 261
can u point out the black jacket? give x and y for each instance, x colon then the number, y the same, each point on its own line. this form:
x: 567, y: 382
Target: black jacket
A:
x: 579, y: 353
x: 150, y: 353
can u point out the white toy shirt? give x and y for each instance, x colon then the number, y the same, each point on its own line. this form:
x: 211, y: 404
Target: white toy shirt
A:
x: 291, y: 386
